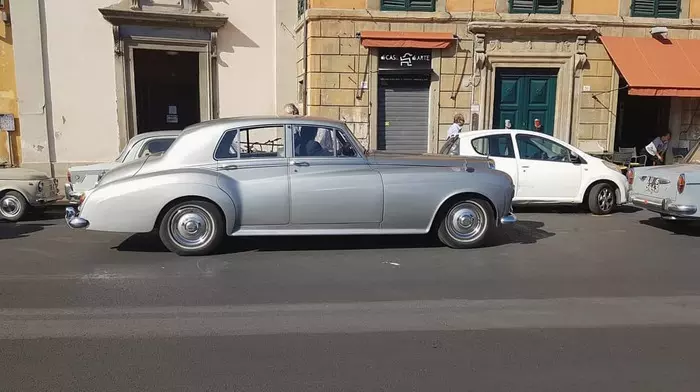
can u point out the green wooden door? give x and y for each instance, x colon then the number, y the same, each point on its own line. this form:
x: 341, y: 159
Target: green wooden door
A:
x: 523, y: 95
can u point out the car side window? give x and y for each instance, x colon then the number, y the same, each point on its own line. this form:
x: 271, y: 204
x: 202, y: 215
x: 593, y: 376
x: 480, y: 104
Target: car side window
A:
x: 314, y: 141
x: 256, y: 142
x: 155, y: 146
x: 540, y: 149
x: 500, y: 146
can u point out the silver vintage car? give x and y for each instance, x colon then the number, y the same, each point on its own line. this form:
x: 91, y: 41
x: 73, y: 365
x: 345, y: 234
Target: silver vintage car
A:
x: 271, y: 176
x: 23, y: 189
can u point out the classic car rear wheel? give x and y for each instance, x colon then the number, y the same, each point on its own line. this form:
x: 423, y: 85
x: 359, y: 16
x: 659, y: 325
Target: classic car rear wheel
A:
x: 13, y: 206
x: 467, y: 224
x: 601, y: 199
x: 192, y: 228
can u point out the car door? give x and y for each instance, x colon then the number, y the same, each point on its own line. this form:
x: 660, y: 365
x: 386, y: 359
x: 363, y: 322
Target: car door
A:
x: 545, y: 170
x: 498, y: 147
x: 331, y: 182
x: 253, y: 165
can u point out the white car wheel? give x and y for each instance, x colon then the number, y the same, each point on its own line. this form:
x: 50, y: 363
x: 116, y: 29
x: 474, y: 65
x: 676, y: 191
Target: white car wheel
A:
x: 12, y: 206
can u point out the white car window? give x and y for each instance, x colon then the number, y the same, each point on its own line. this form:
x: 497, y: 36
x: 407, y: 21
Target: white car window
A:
x: 500, y: 146
x: 540, y: 149
x: 155, y: 146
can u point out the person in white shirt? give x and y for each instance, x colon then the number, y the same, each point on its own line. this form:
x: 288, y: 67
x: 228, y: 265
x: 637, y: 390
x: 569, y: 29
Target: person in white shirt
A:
x: 656, y: 150
x: 456, y: 126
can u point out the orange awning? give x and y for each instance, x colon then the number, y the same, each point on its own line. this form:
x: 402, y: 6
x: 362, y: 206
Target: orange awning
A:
x: 405, y: 39
x: 653, y: 67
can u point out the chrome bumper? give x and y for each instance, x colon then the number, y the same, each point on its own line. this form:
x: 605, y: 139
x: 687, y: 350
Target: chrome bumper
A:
x: 663, y: 206
x: 509, y: 219
x: 74, y: 220
x: 72, y: 196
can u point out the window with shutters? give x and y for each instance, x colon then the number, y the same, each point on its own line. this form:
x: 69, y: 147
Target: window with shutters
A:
x: 408, y: 5
x: 301, y: 8
x: 535, y: 6
x: 656, y: 8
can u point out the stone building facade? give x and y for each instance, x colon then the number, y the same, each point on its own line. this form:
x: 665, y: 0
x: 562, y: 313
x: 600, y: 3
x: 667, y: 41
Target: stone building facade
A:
x: 489, y: 49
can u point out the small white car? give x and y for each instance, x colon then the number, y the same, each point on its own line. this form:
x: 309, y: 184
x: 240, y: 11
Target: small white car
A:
x: 84, y: 178
x: 672, y: 191
x: 546, y: 170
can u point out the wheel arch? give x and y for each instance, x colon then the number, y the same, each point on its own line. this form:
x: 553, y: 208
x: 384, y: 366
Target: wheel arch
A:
x: 181, y: 199
x: 447, y: 203
x: 590, y: 186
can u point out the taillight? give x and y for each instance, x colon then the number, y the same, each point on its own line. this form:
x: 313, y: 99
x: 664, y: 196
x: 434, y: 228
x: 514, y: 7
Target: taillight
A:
x: 630, y: 176
x: 82, y: 199
x: 680, y: 185
x: 69, y: 177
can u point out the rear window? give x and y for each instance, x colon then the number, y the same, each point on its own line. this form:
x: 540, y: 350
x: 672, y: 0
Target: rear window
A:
x: 494, y: 146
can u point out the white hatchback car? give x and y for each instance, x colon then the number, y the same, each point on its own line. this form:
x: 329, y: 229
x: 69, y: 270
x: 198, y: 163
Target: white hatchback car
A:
x: 546, y: 170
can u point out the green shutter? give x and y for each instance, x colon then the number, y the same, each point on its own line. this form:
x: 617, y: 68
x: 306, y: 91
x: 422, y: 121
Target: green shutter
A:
x: 656, y: 8
x: 668, y: 9
x: 522, y: 6
x: 394, y: 5
x: 535, y: 6
x: 421, y: 5
x: 408, y: 5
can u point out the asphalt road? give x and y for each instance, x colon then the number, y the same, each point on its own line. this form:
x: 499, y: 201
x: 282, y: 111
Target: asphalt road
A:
x: 563, y: 301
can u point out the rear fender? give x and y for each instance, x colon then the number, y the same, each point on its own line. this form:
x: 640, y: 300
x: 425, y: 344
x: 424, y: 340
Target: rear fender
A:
x: 133, y: 205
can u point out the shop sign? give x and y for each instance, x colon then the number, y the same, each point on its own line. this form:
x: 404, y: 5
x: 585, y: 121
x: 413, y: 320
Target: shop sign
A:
x: 405, y: 59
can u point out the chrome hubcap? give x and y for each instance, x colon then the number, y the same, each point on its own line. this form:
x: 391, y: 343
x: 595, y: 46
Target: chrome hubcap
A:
x: 10, y: 206
x: 466, y: 221
x: 191, y: 226
x: 606, y: 199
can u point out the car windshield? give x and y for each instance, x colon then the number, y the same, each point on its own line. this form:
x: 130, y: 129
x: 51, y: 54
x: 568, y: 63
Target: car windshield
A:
x: 694, y: 154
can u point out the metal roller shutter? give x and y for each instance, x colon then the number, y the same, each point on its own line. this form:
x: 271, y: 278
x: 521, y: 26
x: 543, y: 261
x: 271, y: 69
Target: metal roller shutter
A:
x: 403, y: 113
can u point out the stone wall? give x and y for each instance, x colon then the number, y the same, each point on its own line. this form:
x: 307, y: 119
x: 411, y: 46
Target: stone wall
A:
x: 597, y: 107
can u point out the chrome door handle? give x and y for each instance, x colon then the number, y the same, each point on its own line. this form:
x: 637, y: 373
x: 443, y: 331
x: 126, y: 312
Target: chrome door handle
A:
x: 229, y: 167
x: 295, y: 163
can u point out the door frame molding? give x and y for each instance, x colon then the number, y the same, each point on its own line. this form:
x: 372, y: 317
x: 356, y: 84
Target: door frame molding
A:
x: 126, y: 98
x: 563, y: 62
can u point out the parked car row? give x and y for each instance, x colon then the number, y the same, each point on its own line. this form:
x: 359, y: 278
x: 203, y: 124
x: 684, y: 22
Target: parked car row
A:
x: 260, y: 176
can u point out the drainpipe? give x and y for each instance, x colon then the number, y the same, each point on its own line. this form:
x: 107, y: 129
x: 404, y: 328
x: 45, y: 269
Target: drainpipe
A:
x: 305, y: 80
x: 47, y: 90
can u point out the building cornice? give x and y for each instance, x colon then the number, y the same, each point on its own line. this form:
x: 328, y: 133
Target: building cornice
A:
x: 118, y: 14
x: 316, y: 14
x: 539, y: 28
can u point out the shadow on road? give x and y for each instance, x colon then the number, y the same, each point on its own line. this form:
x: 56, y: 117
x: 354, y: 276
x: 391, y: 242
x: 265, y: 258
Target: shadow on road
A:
x: 523, y: 232
x: 687, y: 228
x: 14, y: 230
x: 569, y: 209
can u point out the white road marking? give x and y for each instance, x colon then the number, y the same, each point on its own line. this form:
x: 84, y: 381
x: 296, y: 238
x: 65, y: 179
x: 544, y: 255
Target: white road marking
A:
x: 363, y: 317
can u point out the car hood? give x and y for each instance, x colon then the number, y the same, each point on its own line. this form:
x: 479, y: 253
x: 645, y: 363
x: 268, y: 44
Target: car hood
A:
x: 18, y: 174
x: 439, y: 160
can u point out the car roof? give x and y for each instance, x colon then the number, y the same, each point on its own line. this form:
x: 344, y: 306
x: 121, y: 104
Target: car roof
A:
x: 147, y: 135
x: 234, y: 122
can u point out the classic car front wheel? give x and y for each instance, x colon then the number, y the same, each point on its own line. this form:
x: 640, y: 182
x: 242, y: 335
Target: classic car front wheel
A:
x: 192, y: 228
x: 467, y: 224
x: 13, y: 206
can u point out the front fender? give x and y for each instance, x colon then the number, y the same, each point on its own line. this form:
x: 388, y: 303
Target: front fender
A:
x: 132, y: 205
